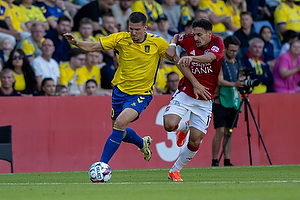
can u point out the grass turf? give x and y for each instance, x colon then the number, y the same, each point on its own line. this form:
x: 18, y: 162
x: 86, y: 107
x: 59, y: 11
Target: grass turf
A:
x: 245, y: 182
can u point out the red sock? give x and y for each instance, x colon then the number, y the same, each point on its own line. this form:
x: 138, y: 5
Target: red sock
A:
x: 192, y: 148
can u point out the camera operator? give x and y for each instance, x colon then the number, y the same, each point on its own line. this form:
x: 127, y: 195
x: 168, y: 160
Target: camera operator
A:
x: 226, y: 101
x: 261, y: 70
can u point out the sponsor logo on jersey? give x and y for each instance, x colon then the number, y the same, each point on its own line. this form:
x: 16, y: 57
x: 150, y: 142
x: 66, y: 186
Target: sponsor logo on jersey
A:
x: 206, y: 51
x: 215, y: 49
x: 147, y: 48
x: 180, y: 37
x: 192, y: 52
x: 201, y: 68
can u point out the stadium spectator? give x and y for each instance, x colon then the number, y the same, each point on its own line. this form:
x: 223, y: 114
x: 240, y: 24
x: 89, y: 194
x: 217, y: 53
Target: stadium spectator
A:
x: 52, y: 10
x: 235, y: 8
x: 188, y: 11
x: 287, y: 70
x: 6, y: 28
x: 163, y: 25
x: 93, y: 10
x: 201, y: 14
x: 7, y: 81
x: 121, y: 11
x: 151, y: 9
x: 219, y: 17
x: 288, y: 37
x: 62, y: 90
x: 287, y: 17
x: 24, y: 75
x: 261, y: 70
x: 45, y: 66
x: 226, y: 100
x: 245, y: 33
x: 6, y: 48
x: 32, y: 14
x: 62, y: 46
x: 268, y: 52
x: 172, y: 83
x: 91, y: 87
x: 258, y: 9
x: 85, y: 32
x: 173, y: 12
x: 68, y: 70
x: 32, y: 45
x: 48, y: 87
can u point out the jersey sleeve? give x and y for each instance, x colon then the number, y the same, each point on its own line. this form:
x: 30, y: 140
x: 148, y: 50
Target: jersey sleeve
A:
x: 280, y: 16
x: 217, y: 48
x: 109, y: 42
x: 163, y: 46
x: 28, y: 48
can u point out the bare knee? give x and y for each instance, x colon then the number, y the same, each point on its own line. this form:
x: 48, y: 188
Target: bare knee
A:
x: 170, y: 122
x: 120, y: 124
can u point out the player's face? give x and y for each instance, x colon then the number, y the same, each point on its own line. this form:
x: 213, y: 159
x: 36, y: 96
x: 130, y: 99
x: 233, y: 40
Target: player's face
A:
x: 231, y: 51
x: 137, y: 31
x: 201, y: 37
x: 49, y: 88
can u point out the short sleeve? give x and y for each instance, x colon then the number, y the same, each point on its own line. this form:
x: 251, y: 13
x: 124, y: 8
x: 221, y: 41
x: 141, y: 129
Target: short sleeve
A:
x: 109, y: 42
x: 28, y: 48
x: 217, y: 48
x: 280, y: 15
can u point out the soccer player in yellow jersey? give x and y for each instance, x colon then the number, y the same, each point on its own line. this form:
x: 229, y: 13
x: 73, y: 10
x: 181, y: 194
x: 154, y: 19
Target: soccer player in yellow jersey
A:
x: 139, y: 56
x: 287, y: 17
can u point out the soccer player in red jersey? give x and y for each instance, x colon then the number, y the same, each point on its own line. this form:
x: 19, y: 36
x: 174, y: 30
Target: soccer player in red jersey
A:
x: 196, y: 89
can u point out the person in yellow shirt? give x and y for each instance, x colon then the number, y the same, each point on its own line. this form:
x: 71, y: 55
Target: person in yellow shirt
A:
x: 151, y: 9
x: 69, y: 70
x: 85, y: 32
x: 287, y: 17
x: 219, y: 17
x: 235, y: 8
x: 188, y: 11
x: 139, y: 56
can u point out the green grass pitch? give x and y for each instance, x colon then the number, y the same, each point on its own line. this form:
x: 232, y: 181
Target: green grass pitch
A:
x: 226, y: 183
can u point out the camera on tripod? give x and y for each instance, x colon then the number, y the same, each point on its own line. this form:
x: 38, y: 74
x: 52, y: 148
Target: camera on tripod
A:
x: 248, y: 83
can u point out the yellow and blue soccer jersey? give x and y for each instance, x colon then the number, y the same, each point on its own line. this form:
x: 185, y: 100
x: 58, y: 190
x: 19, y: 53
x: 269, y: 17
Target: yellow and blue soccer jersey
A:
x: 138, y: 62
x: 66, y: 73
x: 20, y: 84
x: 30, y: 49
x: 235, y: 17
x: 219, y: 8
x: 50, y: 11
x: 162, y: 73
x: 78, y: 37
x: 4, y: 10
x: 32, y: 13
x: 152, y: 11
x: 187, y: 14
x: 84, y: 74
x: 16, y: 16
x: 286, y: 15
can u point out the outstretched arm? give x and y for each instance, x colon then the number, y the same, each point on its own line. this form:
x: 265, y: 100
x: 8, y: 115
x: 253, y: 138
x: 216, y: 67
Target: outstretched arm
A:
x: 84, y: 45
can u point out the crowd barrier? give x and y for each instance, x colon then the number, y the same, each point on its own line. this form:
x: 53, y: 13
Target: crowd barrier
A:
x: 68, y: 134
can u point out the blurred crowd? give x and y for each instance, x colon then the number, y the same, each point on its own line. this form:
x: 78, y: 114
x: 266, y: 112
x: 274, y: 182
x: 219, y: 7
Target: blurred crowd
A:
x: 36, y: 59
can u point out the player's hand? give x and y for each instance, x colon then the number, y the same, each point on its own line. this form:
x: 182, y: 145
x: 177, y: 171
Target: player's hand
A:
x: 171, y: 52
x: 185, y: 61
x: 71, y: 39
x: 200, y: 90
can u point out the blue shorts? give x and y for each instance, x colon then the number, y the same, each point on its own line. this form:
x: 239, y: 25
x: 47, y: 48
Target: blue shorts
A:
x: 121, y: 100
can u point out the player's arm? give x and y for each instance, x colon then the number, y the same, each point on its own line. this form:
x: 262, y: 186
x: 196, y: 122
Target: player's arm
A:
x: 206, y: 58
x: 84, y: 45
x: 171, y: 51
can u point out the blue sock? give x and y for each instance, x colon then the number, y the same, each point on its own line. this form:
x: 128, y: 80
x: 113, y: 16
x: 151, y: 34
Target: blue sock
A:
x: 112, y: 144
x: 132, y: 137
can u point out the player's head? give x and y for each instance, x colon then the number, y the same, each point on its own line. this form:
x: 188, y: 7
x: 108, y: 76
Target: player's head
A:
x: 137, y: 25
x: 231, y: 44
x: 202, y: 31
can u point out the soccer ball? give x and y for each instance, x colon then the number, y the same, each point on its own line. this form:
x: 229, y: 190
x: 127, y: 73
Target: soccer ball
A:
x: 99, y: 172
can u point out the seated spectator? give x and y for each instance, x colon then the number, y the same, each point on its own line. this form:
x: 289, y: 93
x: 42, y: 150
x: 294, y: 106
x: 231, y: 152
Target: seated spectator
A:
x: 45, y: 66
x: 85, y: 32
x: 173, y: 12
x: 93, y: 10
x: 52, y: 10
x: 32, y: 45
x: 108, y: 26
x: 23, y: 73
x: 151, y: 9
x: 172, y: 83
x: 32, y: 14
x: 68, y: 70
x: 287, y: 70
x: 121, y: 11
x: 188, y: 11
x: 7, y: 81
x: 201, y: 14
x: 287, y: 17
x: 258, y: 9
x: 6, y: 28
x: 91, y: 87
x: 219, y: 16
x: 163, y: 26
x: 48, y: 87
x: 6, y: 48
x: 61, y: 44
x: 235, y: 8
x: 268, y: 52
x: 62, y: 90
x: 288, y: 37
x: 261, y: 70
x: 245, y: 33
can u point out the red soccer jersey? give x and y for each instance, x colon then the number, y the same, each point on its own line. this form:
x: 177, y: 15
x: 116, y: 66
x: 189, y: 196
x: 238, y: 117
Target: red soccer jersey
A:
x: 206, y: 73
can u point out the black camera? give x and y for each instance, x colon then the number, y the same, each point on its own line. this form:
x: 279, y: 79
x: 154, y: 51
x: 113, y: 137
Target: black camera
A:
x: 248, y: 83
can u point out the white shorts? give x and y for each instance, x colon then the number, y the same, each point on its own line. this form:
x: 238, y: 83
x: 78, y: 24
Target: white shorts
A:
x: 200, y: 110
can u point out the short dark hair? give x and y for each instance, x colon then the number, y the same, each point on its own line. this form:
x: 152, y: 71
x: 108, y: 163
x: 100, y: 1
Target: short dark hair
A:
x: 246, y: 13
x: 202, y: 23
x: 63, y: 18
x: 90, y: 80
x: 262, y: 28
x: 170, y: 74
x: 289, y: 35
x: 137, y: 17
x: 231, y: 40
x: 75, y: 52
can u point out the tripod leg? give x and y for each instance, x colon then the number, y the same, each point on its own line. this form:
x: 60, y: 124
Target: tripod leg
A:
x: 248, y: 131
x: 230, y: 130
x: 258, y: 130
